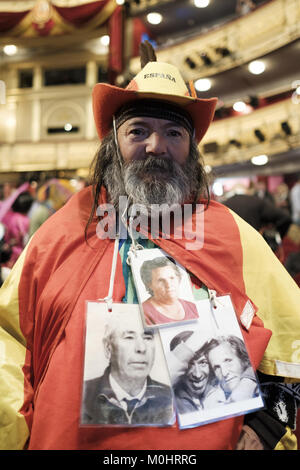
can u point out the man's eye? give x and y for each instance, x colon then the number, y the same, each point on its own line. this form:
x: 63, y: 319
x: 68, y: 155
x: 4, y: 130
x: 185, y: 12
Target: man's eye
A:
x: 174, y: 133
x: 137, y: 131
x: 203, y: 363
x: 148, y: 337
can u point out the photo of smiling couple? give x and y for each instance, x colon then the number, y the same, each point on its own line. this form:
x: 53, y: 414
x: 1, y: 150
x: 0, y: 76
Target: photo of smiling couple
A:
x: 210, y: 369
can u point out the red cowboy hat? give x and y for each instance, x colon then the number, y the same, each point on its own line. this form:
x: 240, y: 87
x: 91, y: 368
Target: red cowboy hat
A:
x: 157, y: 80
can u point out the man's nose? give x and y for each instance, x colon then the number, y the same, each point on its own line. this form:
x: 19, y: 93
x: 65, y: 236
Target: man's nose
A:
x: 156, y: 144
x: 140, y: 345
x: 197, y: 371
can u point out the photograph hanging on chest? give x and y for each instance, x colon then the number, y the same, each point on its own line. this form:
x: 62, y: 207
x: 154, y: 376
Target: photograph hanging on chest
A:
x: 125, y: 378
x: 163, y: 288
x: 210, y: 369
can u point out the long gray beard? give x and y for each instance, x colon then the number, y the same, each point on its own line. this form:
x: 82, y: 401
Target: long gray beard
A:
x: 152, y: 181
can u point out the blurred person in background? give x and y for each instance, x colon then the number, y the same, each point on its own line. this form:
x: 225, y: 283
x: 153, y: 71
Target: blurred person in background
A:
x: 5, y: 254
x: 295, y: 202
x: 8, y: 189
x: 16, y: 222
x: 264, y: 216
x: 51, y: 196
x: 281, y: 197
x: 261, y: 190
x: 244, y: 6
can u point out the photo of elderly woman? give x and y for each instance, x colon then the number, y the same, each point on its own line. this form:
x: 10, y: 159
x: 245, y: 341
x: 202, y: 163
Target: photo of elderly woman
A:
x: 231, y: 365
x: 162, y: 277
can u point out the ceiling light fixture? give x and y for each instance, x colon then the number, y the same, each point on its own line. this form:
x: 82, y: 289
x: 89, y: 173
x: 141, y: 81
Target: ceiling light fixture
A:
x: 203, y: 84
x: 256, y: 67
x: 154, y: 18
x: 240, y: 106
x: 10, y: 49
x: 218, y: 188
x: 260, y: 160
x: 104, y: 40
x: 68, y: 127
x: 201, y: 3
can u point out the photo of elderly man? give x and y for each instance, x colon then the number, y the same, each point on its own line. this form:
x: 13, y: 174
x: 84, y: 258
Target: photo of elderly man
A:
x: 162, y: 278
x: 126, y: 394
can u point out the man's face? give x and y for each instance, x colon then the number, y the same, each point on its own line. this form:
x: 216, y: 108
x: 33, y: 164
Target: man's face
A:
x: 157, y: 164
x: 226, y: 365
x: 131, y: 353
x: 141, y: 137
x: 164, y: 284
x: 196, y: 377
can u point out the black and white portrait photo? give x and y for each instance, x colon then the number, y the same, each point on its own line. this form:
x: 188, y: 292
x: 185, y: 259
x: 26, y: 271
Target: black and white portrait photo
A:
x: 211, y: 374
x: 123, y: 384
x: 164, y: 289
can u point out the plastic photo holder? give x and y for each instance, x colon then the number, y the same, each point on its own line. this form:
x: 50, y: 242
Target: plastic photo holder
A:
x: 163, y: 289
x: 125, y: 377
x: 211, y: 374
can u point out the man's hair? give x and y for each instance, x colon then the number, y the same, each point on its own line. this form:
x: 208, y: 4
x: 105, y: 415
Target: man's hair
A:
x: 106, y: 169
x: 160, y: 262
x: 236, y: 344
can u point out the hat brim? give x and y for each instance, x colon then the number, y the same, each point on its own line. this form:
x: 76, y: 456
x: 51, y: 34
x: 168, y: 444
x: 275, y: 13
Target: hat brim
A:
x: 107, y: 99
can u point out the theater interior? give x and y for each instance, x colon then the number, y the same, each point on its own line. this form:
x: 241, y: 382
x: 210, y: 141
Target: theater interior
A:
x: 53, y: 52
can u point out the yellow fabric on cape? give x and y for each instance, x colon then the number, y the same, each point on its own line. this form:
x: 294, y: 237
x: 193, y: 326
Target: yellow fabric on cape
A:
x: 13, y: 428
x: 288, y: 441
x: 282, y: 357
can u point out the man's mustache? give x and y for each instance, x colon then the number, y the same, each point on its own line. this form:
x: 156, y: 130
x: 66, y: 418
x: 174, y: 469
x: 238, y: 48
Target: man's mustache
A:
x: 152, y: 163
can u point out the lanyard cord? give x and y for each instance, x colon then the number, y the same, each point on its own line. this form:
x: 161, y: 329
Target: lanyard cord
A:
x: 109, y: 297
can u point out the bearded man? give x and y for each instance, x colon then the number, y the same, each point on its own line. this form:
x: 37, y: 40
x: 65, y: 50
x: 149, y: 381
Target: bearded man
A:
x: 149, y: 136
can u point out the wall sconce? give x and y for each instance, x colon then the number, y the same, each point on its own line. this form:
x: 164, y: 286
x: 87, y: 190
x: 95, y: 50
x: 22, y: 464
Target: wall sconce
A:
x: 223, y: 51
x: 205, y: 58
x: 286, y: 128
x: 190, y: 63
x: 254, y: 101
x: 235, y: 142
x: 260, y: 136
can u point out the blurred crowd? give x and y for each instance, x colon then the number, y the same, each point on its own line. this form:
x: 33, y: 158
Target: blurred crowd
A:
x: 276, y: 215
x: 23, y: 209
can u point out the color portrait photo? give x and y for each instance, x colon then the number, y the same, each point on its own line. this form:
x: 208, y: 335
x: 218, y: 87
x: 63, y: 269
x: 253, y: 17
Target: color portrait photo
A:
x: 164, y: 289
